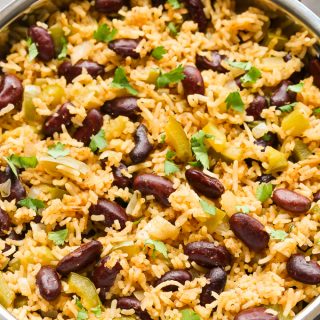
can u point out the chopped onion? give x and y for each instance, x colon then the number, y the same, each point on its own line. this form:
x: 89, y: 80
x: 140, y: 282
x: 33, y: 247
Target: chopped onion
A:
x: 81, y: 51
x: 122, y: 245
x: 5, y: 188
x: 260, y: 130
x: 132, y: 203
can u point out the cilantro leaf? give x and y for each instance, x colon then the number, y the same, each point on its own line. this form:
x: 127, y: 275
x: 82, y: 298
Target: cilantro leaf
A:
x: 97, y: 311
x: 241, y: 65
x: 104, y: 33
x: 316, y: 111
x: 267, y: 137
x: 170, y: 155
x: 189, y: 314
x: 12, y: 167
x: 98, y: 141
x: 120, y: 81
x: 58, y: 237
x: 264, y: 191
x: 251, y: 76
x: 64, y: 49
x: 23, y: 162
x: 31, y: 203
x: 243, y: 209
x: 175, y: 4
x: 163, y: 138
x: 170, y: 168
x: 278, y: 234
x: 58, y: 150
x: 287, y: 107
x: 172, y: 76
x: 158, y: 246
x: 199, y: 148
x: 173, y: 29
x: 207, y: 207
x: 296, y: 87
x: 196, y: 164
x: 32, y: 48
x: 235, y: 102
x: 158, y: 52
x: 82, y: 314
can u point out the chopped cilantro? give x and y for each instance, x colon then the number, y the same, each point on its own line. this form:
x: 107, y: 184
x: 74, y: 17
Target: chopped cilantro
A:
x: 195, y: 164
x: 172, y: 76
x: 287, y: 107
x: 12, y: 167
x: 189, y: 314
x: 64, y: 49
x: 264, y: 191
x: 82, y: 314
x: 15, y: 161
x: 58, y: 150
x: 240, y: 65
x: 31, y: 203
x: 175, y: 4
x: 104, y: 33
x: 207, y: 207
x: 170, y: 167
x: 316, y: 111
x: 296, y: 87
x: 98, y: 141
x: 173, y: 29
x: 170, y: 155
x: 243, y: 209
x: 251, y: 76
x: 199, y: 148
x: 235, y: 102
x: 267, y: 137
x: 163, y: 138
x: 158, y: 52
x: 158, y: 246
x: 97, y: 311
x: 32, y: 48
x: 120, y: 81
x: 278, y: 234
x: 58, y: 237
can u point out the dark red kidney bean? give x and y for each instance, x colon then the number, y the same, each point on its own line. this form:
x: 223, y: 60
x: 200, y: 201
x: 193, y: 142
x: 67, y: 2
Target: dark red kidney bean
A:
x: 11, y: 91
x: 80, y: 258
x: 69, y: 71
x: 5, y: 223
x: 193, y: 82
x: 258, y: 313
x: 214, y: 64
x: 103, y: 276
x: 238, y: 82
x: 111, y: 212
x: 204, y: 184
x: 316, y: 196
x: 142, y: 147
x: 49, y: 283
x: 217, y: 281
x: 265, y: 178
x: 109, y: 6
x: 91, y: 126
x: 123, y: 106
x: 314, y: 68
x: 125, y: 47
x: 196, y: 12
x: 151, y: 184
x: 291, y: 201
x: 282, y: 95
x: 272, y: 141
x: 126, y: 303
x: 250, y: 231
x: 43, y: 41
x: 119, y: 179
x: 207, y: 254
x: 287, y: 57
x: 258, y: 104
x: 181, y: 276
x: 303, y: 271
x: 54, y: 122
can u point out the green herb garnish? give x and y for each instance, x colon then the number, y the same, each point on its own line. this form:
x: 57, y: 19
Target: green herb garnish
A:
x: 207, y: 207
x: 175, y: 4
x: 32, y: 48
x: 173, y: 29
x: 240, y: 65
x: 172, y: 76
x: 287, y: 107
x: 104, y: 33
x: 64, y: 49
x: 278, y: 234
x: 98, y: 141
x: 235, y: 102
x: 82, y: 314
x: 189, y: 314
x: 243, y: 209
x: 199, y: 148
x: 296, y: 87
x: 120, y: 81
x: 58, y: 150
x: 251, y: 76
x: 97, y: 311
x: 15, y: 161
x: 264, y: 191
x: 158, y: 52
x: 58, y: 237
x: 31, y: 203
x: 158, y: 246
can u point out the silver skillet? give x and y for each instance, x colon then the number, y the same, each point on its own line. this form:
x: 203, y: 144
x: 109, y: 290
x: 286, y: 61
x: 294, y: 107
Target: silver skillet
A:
x: 12, y: 11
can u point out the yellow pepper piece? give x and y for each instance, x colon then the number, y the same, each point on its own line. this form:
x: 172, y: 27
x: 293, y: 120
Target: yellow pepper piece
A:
x: 6, y: 294
x: 57, y: 35
x: 153, y: 76
x: 219, y: 141
x: 55, y: 92
x: 232, y: 152
x: 85, y: 289
x: 29, y: 109
x: 277, y: 160
x: 214, y: 221
x: 295, y: 123
x: 128, y: 247
x: 178, y: 140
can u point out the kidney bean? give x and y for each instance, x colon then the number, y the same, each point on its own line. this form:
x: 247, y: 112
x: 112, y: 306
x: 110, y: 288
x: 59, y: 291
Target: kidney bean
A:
x: 291, y: 201
x: 303, y: 271
x: 265, y: 178
x: 111, y: 212
x: 103, y: 276
x: 282, y: 96
x: 207, y: 254
x: 193, y: 82
x: 80, y: 258
x: 69, y: 71
x: 195, y: 9
x: 314, y: 68
x: 272, y: 141
x: 11, y: 91
x: 287, y: 57
x: 204, y: 184
x: 316, y: 196
x: 257, y: 106
x: 5, y: 223
x: 214, y: 64
x: 54, y: 122
x: 238, y: 82
x: 109, y: 6
x: 122, y: 106
x: 151, y: 184
x: 125, y: 47
x: 217, y: 281
x: 17, y: 190
x: 180, y: 276
x: 258, y: 313
x: 250, y: 231
x: 119, y: 179
x: 142, y: 147
x: 43, y: 41
x: 91, y: 126
x: 133, y: 303
x: 49, y: 283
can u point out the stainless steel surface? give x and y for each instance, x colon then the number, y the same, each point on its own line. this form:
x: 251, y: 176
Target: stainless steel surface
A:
x: 10, y: 10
